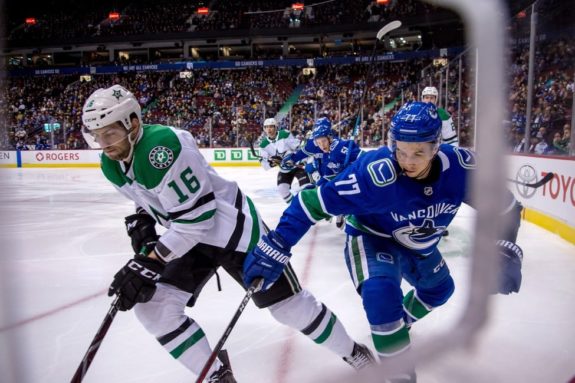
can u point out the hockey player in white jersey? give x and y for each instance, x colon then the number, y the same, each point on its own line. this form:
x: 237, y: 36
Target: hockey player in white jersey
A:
x: 399, y: 199
x: 209, y: 223
x: 274, y: 146
x: 448, y: 131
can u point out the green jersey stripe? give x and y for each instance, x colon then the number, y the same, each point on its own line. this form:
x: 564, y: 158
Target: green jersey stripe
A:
x: 391, y: 344
x: 312, y: 205
x: 178, y: 351
x: 255, y: 236
x: 328, y: 330
x: 207, y: 215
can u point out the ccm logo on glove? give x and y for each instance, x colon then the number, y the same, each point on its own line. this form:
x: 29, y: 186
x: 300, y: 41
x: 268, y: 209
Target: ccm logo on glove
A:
x: 143, y: 271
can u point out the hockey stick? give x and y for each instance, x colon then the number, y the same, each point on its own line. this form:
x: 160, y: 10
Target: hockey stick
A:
x: 535, y: 185
x: 96, y: 342
x: 254, y: 287
x: 392, y: 25
x: 253, y: 151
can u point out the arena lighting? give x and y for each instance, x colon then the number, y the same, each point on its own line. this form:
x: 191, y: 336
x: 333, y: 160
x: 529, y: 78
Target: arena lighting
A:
x: 297, y: 6
x: 203, y: 10
x: 382, y: 2
x: 30, y: 20
x: 113, y: 15
x: 521, y: 14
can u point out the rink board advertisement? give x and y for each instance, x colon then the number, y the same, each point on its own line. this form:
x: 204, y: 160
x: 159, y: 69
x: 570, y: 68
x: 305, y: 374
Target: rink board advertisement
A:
x: 553, y: 204
x: 91, y: 158
x: 60, y: 158
x: 8, y: 159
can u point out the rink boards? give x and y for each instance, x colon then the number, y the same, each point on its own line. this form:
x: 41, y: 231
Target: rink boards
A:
x: 551, y: 206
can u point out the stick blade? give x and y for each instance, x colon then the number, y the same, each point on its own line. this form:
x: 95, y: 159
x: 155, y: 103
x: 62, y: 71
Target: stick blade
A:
x: 388, y: 28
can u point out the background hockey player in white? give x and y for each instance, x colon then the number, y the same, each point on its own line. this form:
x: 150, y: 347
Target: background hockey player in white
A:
x: 400, y: 199
x: 209, y: 223
x: 448, y: 130
x: 274, y: 146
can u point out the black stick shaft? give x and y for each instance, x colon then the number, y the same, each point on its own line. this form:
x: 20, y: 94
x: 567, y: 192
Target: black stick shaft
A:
x: 255, y: 286
x: 535, y: 185
x: 253, y: 151
x: 96, y: 342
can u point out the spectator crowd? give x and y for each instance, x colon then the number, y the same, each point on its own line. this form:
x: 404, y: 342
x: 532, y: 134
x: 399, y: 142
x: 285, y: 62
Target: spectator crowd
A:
x: 224, y: 108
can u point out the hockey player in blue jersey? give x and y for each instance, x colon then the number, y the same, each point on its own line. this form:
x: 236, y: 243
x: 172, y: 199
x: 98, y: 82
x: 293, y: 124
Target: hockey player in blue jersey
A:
x: 400, y: 199
x: 330, y: 156
x: 329, y: 153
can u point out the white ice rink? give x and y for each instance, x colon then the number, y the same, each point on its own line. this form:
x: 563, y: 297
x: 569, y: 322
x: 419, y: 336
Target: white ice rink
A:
x: 63, y: 239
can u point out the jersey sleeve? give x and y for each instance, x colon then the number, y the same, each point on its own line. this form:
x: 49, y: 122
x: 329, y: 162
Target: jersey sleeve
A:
x: 264, y: 162
x: 348, y: 193
x: 448, y: 131
x: 308, y: 150
x: 292, y: 143
x: 264, y: 154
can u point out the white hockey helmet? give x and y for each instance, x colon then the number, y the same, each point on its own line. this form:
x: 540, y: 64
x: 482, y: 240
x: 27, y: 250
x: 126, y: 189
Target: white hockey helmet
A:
x: 270, y: 122
x: 108, y: 106
x: 430, y: 91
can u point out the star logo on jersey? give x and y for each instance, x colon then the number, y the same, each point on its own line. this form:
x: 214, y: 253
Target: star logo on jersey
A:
x: 419, y: 237
x: 118, y: 94
x: 161, y: 157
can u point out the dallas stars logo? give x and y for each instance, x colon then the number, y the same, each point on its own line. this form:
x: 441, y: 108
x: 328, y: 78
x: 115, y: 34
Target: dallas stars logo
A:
x: 118, y: 94
x: 161, y: 157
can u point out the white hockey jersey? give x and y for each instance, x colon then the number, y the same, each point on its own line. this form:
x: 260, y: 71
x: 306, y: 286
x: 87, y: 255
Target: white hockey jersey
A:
x: 171, y: 180
x: 284, y: 143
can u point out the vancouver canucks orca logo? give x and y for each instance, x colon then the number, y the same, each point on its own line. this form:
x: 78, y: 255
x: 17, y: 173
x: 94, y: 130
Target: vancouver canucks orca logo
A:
x: 419, y: 237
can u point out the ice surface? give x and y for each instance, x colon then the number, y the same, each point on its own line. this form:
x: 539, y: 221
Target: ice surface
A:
x: 63, y: 239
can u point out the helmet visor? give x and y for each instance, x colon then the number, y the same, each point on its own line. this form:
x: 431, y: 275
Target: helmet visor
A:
x: 105, y: 137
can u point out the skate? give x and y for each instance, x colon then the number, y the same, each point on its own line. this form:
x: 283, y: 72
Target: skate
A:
x: 224, y: 373
x: 360, y: 357
x: 340, y: 221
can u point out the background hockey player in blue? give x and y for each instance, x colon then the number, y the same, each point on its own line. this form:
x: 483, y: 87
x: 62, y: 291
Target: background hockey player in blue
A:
x: 329, y: 153
x: 401, y: 198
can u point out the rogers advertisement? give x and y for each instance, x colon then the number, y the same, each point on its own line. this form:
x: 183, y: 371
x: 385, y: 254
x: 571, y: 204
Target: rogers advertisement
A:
x: 87, y: 158
x: 556, y: 197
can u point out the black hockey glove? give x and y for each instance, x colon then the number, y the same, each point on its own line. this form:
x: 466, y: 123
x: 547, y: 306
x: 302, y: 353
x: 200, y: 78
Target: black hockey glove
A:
x: 274, y: 161
x: 141, y: 228
x: 136, y: 281
x: 510, y: 258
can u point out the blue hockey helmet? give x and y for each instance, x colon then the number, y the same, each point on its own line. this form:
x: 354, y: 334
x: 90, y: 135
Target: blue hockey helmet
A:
x: 415, y: 122
x: 322, y: 128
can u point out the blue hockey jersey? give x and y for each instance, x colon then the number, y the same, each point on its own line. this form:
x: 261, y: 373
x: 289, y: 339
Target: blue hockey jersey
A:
x: 329, y: 164
x: 384, y: 202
